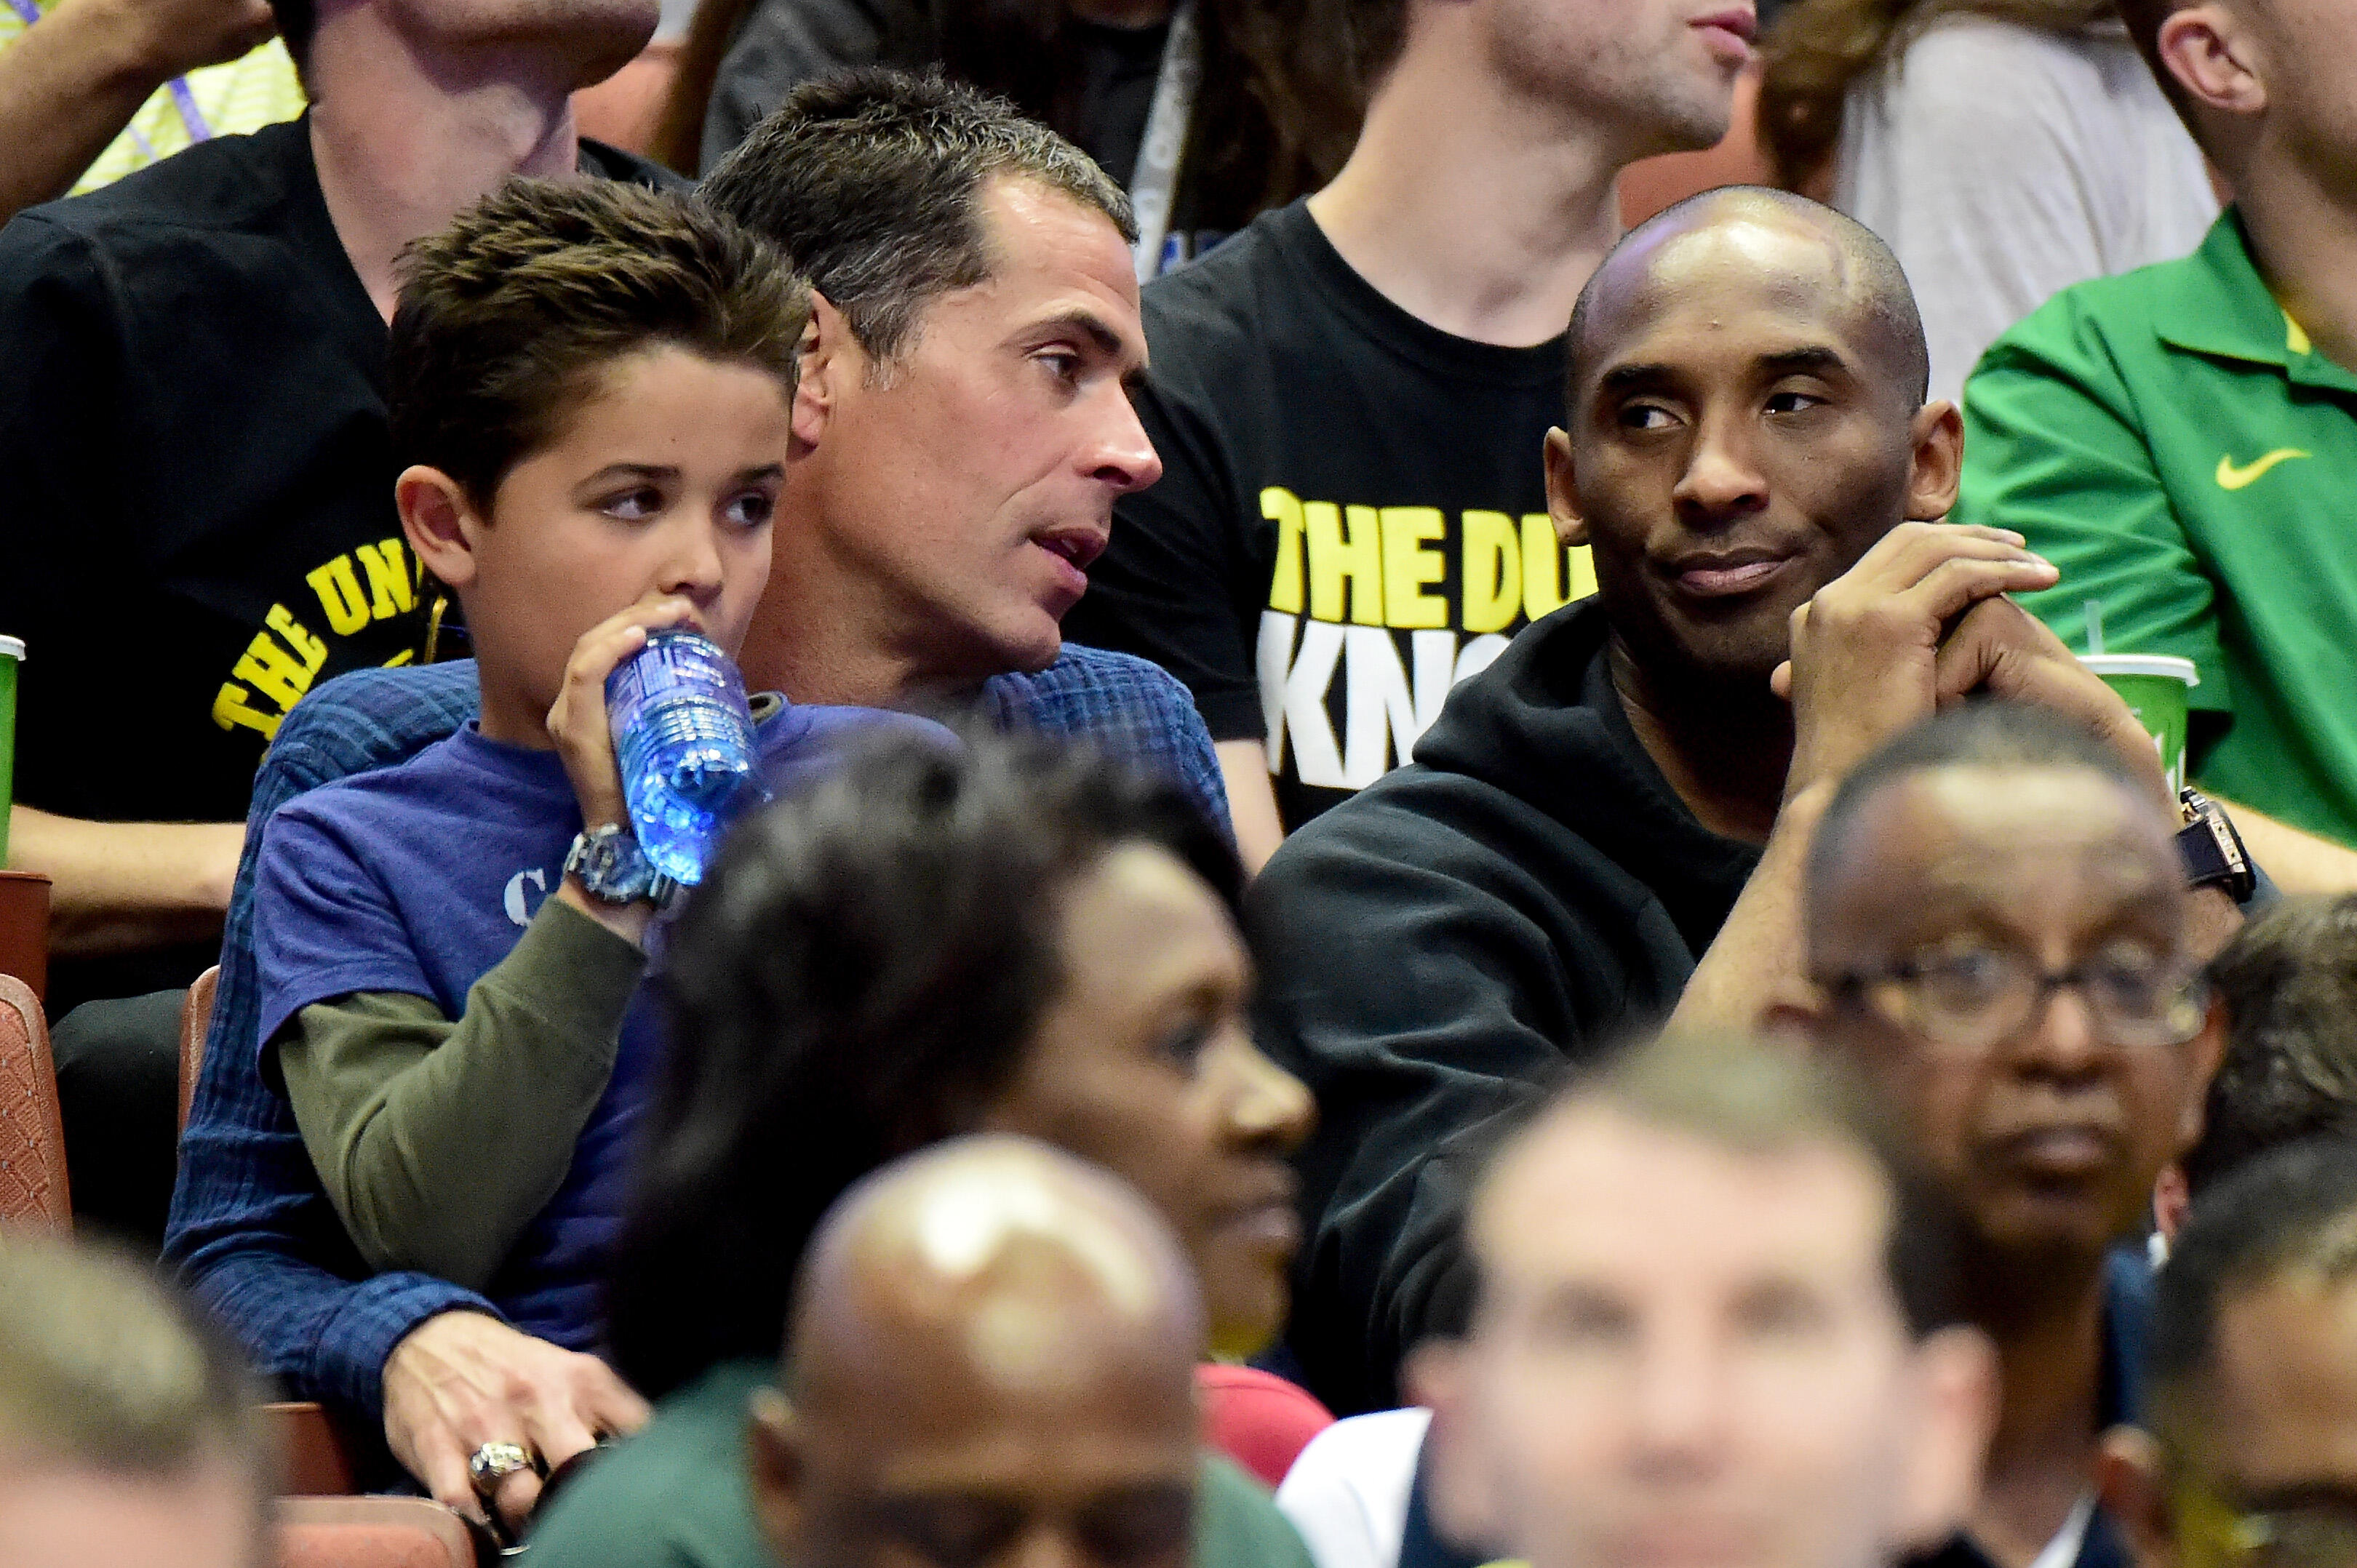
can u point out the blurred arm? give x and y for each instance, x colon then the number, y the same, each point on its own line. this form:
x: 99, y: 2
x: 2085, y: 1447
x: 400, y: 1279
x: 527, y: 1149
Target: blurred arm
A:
x: 69, y: 85
x: 122, y: 887
x: 1252, y: 801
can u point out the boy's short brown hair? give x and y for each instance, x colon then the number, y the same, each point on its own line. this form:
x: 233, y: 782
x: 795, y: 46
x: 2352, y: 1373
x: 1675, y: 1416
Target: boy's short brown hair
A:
x: 510, y: 315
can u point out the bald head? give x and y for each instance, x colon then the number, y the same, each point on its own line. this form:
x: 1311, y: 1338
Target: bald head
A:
x: 1733, y: 238
x: 1002, y: 1254
x: 990, y: 1337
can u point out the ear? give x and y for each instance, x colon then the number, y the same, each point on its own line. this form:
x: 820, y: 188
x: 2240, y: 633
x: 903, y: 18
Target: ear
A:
x: 2132, y: 1482
x: 2215, y: 59
x: 2171, y: 1199
x: 1563, y: 497
x: 1439, y: 1374
x: 774, y: 1456
x: 1938, y: 435
x: 1796, y: 1012
x: 1956, y: 1379
x: 440, y: 522
x: 2202, y: 1054
x: 829, y: 354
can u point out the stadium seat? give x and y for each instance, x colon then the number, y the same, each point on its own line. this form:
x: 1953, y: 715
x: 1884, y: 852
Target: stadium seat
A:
x: 196, y: 1019
x: 32, y: 1137
x: 371, y: 1532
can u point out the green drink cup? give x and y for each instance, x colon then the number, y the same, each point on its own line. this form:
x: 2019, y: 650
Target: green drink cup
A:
x: 2155, y: 686
x: 12, y: 653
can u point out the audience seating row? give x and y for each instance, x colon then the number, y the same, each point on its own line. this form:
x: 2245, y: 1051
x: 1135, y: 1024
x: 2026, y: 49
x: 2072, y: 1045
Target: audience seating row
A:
x: 321, y: 1524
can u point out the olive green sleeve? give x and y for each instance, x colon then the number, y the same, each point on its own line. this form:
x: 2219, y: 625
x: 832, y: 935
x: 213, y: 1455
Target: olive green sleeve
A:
x: 438, y: 1142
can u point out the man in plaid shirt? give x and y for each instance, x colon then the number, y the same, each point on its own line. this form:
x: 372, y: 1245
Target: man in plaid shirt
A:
x: 958, y: 449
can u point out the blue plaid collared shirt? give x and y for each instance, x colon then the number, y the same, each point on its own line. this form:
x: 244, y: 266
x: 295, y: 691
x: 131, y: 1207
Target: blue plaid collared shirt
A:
x: 253, y: 1233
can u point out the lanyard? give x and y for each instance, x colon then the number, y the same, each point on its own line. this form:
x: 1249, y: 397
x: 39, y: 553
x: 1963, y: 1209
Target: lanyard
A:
x: 183, y: 98
x: 1155, y: 182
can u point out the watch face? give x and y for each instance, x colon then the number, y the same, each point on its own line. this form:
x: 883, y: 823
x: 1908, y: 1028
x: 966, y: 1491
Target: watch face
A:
x: 613, y: 869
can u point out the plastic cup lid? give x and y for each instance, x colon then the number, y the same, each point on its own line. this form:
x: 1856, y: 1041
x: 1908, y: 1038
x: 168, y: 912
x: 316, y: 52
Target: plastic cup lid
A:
x: 12, y: 647
x: 2163, y: 665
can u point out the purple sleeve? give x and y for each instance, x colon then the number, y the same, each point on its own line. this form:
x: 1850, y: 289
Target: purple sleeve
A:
x: 323, y: 924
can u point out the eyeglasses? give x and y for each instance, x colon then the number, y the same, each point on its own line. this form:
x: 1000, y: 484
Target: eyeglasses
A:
x: 2315, y: 1536
x: 1970, y: 998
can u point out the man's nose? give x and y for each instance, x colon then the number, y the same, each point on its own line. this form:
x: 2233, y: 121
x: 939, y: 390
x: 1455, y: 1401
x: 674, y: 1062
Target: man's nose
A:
x: 1721, y: 476
x: 1679, y: 1415
x: 1120, y: 452
x: 1047, y: 1545
x: 2060, y: 1039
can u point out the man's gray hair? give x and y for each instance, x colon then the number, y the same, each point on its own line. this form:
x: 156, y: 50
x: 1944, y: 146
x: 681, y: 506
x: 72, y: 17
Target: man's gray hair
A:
x: 871, y: 182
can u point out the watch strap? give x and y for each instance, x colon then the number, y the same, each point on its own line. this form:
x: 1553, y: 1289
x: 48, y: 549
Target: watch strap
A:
x: 2209, y: 849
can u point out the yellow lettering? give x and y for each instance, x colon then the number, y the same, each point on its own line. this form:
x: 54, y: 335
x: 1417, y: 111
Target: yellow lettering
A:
x: 270, y: 668
x: 1542, y: 567
x: 338, y: 588
x: 1583, y: 572
x: 1408, y: 566
x: 266, y: 665
x: 1493, y: 570
x: 1335, y: 554
x: 400, y: 659
x: 231, y: 709
x: 390, y: 590
x: 309, y: 649
x: 1282, y: 507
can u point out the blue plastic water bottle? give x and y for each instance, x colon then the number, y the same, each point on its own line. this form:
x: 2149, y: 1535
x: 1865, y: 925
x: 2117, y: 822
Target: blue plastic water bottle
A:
x: 685, y: 737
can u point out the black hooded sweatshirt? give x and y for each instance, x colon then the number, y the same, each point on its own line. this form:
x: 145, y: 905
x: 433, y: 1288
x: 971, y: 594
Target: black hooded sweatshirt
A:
x: 1438, y: 948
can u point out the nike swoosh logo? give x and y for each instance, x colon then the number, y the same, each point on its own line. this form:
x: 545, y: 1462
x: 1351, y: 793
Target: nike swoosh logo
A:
x: 2230, y: 477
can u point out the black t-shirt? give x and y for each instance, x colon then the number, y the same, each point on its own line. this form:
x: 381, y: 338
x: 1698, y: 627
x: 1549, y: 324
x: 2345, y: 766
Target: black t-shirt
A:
x: 1351, y: 516
x: 199, y: 523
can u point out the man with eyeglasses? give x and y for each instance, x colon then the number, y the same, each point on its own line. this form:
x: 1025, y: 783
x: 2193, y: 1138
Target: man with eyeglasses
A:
x: 2000, y: 936
x: 2247, y: 1457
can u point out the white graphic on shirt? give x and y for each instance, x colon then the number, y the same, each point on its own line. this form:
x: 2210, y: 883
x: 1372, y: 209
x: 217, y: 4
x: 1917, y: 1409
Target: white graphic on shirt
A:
x: 1384, y: 714
x: 513, y: 901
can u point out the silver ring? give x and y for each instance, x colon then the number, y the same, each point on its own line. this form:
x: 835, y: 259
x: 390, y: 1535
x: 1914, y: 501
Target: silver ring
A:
x: 495, y: 1462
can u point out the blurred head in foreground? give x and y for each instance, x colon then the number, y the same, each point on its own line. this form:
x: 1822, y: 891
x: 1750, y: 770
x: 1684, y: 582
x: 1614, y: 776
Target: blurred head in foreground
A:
x: 1716, y: 1325
x: 1011, y: 938
x: 125, y: 1438
x: 2251, y: 1454
x: 2288, y: 984
x: 991, y: 1362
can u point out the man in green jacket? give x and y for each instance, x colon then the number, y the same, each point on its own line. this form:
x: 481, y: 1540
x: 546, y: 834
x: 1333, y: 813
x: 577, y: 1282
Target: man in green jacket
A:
x: 991, y: 1362
x: 2181, y: 441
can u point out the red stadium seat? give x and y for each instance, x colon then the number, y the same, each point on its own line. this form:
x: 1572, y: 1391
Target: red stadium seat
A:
x: 32, y: 1137
x: 195, y: 1021
x: 371, y: 1532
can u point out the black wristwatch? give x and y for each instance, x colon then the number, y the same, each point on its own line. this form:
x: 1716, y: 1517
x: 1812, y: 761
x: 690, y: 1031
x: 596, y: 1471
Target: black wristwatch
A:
x: 609, y: 864
x: 2211, y: 848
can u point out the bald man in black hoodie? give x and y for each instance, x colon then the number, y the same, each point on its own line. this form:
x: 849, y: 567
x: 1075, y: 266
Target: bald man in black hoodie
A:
x: 1609, y: 826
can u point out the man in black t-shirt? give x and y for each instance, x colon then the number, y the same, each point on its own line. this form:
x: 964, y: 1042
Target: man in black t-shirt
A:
x: 199, y: 523
x: 1609, y: 824
x: 1348, y: 396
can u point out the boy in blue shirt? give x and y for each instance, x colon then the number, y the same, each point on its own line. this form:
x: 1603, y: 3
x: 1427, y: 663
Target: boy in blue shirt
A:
x: 592, y: 385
